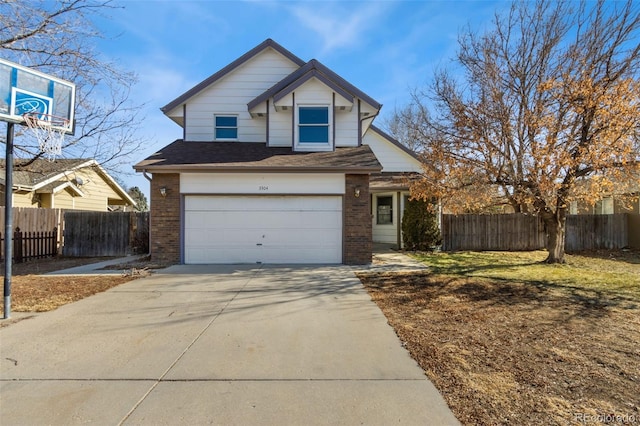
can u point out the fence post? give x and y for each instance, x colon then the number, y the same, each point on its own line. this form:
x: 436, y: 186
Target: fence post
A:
x: 53, y: 248
x: 17, y: 246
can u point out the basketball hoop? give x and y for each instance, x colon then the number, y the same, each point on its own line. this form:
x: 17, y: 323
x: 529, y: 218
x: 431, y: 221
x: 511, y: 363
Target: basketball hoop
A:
x: 49, y: 130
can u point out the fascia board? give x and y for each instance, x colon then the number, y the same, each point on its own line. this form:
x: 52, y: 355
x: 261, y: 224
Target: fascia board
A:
x: 194, y: 168
x: 227, y: 69
x: 114, y: 185
x: 394, y: 141
x: 308, y: 76
x: 63, y: 186
x: 63, y: 174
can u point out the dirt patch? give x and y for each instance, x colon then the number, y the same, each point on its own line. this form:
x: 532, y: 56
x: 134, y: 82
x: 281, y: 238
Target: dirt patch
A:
x: 505, y: 352
x: 41, y: 293
x: 32, y: 292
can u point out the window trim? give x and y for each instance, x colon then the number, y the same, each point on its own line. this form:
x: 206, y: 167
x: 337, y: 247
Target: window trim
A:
x: 313, y: 146
x: 378, y: 197
x: 216, y: 127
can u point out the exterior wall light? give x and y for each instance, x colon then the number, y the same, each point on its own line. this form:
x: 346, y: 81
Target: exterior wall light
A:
x: 163, y: 191
x: 356, y: 193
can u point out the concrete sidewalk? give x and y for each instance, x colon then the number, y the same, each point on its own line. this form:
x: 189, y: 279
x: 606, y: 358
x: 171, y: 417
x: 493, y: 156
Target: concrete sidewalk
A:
x: 96, y: 268
x: 217, y: 344
x: 388, y: 259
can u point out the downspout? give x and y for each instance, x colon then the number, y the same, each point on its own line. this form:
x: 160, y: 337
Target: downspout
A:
x: 267, y: 129
x: 360, y: 135
x: 399, y: 222
x: 184, y: 123
x: 333, y: 121
x: 372, y: 117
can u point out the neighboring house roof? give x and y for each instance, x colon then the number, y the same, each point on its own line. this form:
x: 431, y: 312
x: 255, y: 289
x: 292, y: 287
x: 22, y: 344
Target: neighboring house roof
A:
x: 268, y: 43
x: 313, y: 68
x: 245, y: 156
x: 59, y: 185
x: 39, y: 171
x: 394, y: 181
x: 49, y: 176
x: 625, y: 184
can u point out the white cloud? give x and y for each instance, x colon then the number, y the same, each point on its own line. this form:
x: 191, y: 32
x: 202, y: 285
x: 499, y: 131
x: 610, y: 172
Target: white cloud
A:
x: 337, y: 26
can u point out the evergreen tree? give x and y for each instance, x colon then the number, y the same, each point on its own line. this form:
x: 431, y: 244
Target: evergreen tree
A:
x: 420, y: 229
x: 140, y: 199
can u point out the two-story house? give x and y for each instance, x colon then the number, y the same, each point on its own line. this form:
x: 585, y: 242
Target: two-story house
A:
x: 279, y: 163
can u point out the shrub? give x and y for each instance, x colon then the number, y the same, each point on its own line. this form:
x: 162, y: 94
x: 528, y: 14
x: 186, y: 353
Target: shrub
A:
x: 420, y: 226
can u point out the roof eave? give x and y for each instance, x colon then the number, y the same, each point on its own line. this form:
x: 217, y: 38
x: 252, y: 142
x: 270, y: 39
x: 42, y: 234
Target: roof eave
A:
x: 62, y: 174
x: 308, y: 76
x: 394, y: 141
x: 320, y: 69
x: 114, y: 185
x: 226, y: 70
x: 194, y: 168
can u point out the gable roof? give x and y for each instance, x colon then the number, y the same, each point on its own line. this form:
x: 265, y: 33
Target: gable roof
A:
x: 313, y: 68
x: 42, y: 174
x: 181, y: 156
x: 394, y: 141
x: 268, y: 43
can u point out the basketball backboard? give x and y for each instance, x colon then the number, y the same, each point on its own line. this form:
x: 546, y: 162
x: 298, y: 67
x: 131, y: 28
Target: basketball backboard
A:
x: 27, y: 91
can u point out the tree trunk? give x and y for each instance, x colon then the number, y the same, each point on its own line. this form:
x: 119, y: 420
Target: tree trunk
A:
x: 555, y: 225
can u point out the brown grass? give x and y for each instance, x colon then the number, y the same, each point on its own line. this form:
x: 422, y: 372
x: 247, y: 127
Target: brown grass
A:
x: 31, y: 292
x: 507, y: 351
x: 37, y: 293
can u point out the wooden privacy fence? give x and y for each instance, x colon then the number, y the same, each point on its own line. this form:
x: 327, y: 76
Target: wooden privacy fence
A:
x: 510, y: 232
x: 519, y: 232
x: 78, y: 233
x: 32, y: 245
x: 34, y: 220
x: 105, y: 233
x: 593, y: 232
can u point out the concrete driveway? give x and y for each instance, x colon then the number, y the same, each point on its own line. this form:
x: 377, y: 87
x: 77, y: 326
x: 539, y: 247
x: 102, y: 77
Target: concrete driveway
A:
x: 216, y: 345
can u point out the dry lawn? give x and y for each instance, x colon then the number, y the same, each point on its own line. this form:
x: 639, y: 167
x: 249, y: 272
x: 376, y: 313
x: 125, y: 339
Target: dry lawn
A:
x: 31, y: 292
x: 509, y: 341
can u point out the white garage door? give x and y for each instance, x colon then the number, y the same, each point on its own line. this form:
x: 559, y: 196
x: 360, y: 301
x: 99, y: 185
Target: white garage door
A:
x: 267, y: 229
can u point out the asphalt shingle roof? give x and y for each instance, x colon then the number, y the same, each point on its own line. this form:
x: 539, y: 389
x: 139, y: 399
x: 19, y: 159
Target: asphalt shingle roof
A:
x: 181, y: 155
x: 40, y: 170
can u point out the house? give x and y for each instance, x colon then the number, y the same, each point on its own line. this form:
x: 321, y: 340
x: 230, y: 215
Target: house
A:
x: 624, y: 197
x: 77, y: 184
x: 607, y: 205
x: 279, y: 163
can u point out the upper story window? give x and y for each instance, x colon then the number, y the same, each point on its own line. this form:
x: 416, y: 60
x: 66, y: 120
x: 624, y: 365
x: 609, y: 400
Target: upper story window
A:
x: 226, y: 127
x: 313, y: 124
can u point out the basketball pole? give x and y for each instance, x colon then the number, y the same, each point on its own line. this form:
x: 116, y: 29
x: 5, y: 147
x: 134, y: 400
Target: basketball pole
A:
x: 8, y: 221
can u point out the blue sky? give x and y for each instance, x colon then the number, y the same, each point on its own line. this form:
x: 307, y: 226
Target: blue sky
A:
x: 385, y: 48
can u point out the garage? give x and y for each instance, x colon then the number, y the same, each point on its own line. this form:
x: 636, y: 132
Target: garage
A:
x: 262, y: 229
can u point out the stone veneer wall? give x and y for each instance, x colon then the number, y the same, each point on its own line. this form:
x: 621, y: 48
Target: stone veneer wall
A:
x: 164, y: 224
x: 357, y: 221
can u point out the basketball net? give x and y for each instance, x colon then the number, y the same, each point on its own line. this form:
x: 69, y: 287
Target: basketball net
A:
x: 49, y: 131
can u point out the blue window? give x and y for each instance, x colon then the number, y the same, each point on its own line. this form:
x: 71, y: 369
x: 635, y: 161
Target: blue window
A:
x: 226, y: 127
x: 313, y: 125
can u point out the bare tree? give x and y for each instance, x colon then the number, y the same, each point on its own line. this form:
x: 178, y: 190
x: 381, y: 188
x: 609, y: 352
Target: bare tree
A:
x: 545, y: 110
x: 59, y: 37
